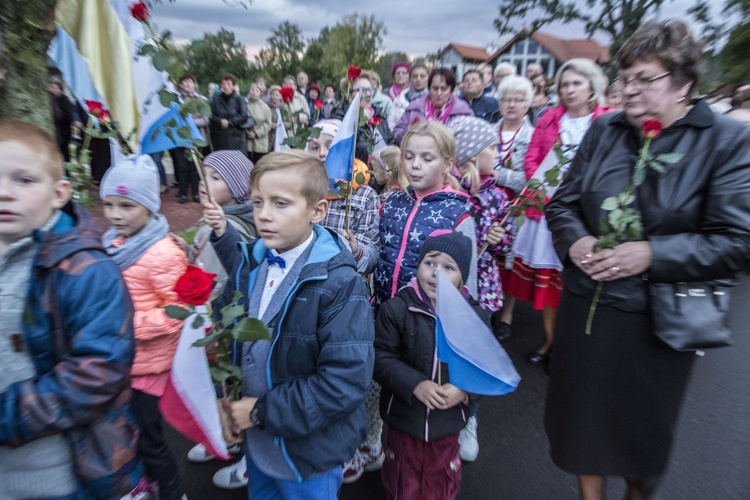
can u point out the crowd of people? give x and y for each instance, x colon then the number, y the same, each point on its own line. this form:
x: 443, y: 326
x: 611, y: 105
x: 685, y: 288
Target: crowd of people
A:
x: 346, y: 283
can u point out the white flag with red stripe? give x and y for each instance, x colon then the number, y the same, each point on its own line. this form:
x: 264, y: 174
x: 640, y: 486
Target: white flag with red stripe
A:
x: 189, y: 401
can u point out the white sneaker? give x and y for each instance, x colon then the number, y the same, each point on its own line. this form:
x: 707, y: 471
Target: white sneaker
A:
x: 468, y: 443
x: 232, y: 477
x: 364, y: 460
x: 198, y: 453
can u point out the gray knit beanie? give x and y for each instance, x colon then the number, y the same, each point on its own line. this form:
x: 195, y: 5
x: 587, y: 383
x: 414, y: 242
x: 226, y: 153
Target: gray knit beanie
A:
x: 472, y: 135
x: 135, y: 178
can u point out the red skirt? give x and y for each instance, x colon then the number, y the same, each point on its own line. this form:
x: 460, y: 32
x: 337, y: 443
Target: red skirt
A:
x: 541, y: 287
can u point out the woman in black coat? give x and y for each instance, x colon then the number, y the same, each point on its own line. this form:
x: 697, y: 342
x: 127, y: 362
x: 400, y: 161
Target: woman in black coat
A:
x: 615, y: 393
x: 228, y: 117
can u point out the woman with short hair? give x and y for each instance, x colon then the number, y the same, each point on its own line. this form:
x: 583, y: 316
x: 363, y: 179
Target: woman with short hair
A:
x: 615, y: 393
x: 439, y: 104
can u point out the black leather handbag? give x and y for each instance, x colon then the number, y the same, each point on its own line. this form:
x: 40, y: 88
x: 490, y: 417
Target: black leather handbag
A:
x: 691, y: 316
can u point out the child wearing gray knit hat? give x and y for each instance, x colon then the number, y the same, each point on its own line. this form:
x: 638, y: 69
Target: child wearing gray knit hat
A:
x: 473, y: 135
x: 133, y: 177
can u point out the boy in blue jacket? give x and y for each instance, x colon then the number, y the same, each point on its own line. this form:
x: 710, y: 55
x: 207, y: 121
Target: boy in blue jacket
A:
x: 66, y: 336
x: 302, y: 410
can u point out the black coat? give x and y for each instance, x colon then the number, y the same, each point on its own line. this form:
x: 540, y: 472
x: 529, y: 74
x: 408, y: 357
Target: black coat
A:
x: 404, y: 357
x: 696, y: 215
x: 234, y: 110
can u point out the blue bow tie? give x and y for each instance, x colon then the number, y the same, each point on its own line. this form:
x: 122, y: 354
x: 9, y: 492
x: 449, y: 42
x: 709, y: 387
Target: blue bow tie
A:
x: 274, y: 259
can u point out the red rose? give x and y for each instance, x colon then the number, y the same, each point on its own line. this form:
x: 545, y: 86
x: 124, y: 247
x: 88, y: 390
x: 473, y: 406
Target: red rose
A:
x: 94, y: 108
x: 353, y: 73
x: 376, y: 121
x: 195, y: 286
x: 318, y: 104
x: 287, y: 94
x: 651, y: 129
x: 139, y: 11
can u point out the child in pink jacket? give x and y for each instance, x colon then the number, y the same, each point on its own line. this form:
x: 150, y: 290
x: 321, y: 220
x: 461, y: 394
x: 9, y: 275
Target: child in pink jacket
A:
x: 139, y: 243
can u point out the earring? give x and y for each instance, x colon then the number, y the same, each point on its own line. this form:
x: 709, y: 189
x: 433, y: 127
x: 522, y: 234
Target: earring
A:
x: 682, y: 99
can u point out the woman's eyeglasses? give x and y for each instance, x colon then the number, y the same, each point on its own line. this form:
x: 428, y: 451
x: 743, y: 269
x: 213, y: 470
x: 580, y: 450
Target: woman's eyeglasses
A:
x: 639, y: 83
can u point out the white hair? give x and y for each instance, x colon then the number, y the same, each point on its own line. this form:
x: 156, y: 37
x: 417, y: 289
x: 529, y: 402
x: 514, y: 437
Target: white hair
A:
x: 505, y: 65
x: 591, y: 71
x: 515, y: 83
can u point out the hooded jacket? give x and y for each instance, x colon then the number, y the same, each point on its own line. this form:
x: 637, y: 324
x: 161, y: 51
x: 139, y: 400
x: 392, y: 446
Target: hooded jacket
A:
x: 320, y: 363
x: 78, y: 328
x: 405, y: 355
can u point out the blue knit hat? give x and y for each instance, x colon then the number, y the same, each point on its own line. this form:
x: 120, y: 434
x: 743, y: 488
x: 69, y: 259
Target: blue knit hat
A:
x: 136, y: 178
x: 234, y: 168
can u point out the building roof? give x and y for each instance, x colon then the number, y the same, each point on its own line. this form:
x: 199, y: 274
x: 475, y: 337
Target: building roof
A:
x: 467, y: 52
x: 562, y: 49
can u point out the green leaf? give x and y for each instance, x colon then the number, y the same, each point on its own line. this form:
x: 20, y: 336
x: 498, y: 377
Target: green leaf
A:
x: 147, y: 49
x: 610, y: 203
x: 218, y: 375
x: 167, y: 97
x: 314, y: 132
x: 170, y: 135
x: 553, y: 183
x: 551, y: 174
x: 177, y: 312
x: 204, y: 107
x: 635, y: 231
x: 359, y: 178
x: 208, y: 339
x: 534, y: 184
x: 670, y: 158
x: 625, y: 198
x: 614, y: 216
x: 160, y: 60
x: 184, y: 132
x: 639, y: 174
x: 657, y: 167
x: 250, y: 329
x: 198, y: 321
x: 200, y: 143
x: 230, y: 313
x: 197, y: 45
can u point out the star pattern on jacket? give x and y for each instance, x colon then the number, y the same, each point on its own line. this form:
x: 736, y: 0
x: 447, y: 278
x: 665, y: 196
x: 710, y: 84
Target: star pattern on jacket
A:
x: 414, y: 235
x: 435, y: 216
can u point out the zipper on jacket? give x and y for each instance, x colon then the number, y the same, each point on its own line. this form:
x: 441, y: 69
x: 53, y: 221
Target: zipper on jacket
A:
x: 404, y: 242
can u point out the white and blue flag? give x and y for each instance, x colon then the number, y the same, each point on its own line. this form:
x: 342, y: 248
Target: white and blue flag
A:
x: 340, y: 159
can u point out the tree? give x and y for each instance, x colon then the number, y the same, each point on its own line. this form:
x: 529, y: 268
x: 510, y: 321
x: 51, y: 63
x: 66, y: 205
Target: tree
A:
x: 356, y: 39
x: 215, y: 54
x: 733, y: 57
x: 618, y: 18
x: 282, y: 56
x: 26, y: 28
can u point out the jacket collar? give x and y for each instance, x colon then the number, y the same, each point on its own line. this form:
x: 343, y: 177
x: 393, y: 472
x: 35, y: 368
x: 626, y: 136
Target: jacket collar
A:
x: 75, y: 231
x: 700, y: 116
x: 327, y: 253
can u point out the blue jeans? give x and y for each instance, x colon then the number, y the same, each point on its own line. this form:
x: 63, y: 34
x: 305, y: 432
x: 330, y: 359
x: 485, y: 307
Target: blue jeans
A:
x: 324, y: 486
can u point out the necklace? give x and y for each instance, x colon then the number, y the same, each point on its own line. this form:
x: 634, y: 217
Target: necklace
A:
x: 505, y: 146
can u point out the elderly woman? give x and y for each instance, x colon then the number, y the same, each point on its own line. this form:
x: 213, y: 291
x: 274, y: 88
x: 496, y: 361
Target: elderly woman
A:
x: 373, y: 133
x: 614, y: 394
x: 514, y: 133
x: 536, y: 268
x: 439, y: 104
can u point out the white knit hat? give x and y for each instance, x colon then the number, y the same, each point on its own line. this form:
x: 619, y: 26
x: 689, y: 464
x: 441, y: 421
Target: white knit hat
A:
x: 134, y: 177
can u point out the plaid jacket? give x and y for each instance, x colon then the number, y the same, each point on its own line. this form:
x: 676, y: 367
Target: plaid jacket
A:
x: 364, y: 218
x: 78, y: 327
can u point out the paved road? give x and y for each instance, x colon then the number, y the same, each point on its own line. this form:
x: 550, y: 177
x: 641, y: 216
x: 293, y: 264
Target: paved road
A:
x: 711, y: 458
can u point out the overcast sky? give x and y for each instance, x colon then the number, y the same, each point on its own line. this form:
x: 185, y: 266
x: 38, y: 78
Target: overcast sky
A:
x: 416, y: 27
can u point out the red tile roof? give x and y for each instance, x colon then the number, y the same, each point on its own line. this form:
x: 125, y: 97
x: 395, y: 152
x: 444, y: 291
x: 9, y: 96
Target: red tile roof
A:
x: 468, y: 52
x: 564, y: 50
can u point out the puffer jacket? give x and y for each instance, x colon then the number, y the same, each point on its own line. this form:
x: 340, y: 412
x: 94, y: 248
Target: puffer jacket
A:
x: 405, y: 356
x: 79, y: 331
x: 320, y: 364
x: 406, y: 221
x: 416, y: 111
x: 151, y: 281
x: 696, y: 215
